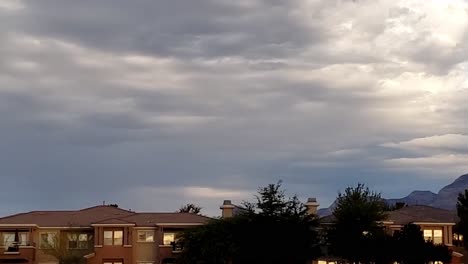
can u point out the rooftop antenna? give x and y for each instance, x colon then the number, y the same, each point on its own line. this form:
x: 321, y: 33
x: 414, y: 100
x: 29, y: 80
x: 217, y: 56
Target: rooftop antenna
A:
x: 103, y: 202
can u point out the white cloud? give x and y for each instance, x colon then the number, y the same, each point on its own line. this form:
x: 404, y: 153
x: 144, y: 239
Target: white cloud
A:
x: 439, y: 142
x: 11, y: 5
x: 207, y: 197
x: 442, y: 165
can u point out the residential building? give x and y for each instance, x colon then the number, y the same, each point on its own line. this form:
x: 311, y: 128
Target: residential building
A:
x: 101, y: 234
x: 436, y: 224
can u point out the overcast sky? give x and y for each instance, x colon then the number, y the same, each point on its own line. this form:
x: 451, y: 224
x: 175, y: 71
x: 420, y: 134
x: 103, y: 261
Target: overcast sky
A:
x: 155, y: 103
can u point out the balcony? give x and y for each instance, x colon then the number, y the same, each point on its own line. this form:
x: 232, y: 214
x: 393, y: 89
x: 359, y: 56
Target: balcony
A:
x: 18, y: 251
x: 170, y: 252
x: 177, y: 247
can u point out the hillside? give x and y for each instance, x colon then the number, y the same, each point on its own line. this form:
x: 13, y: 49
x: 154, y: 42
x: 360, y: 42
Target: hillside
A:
x: 446, y: 198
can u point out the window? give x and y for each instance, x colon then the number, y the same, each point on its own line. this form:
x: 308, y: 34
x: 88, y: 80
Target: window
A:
x: 77, y: 241
x: 48, y: 239
x: 8, y: 239
x: 113, y: 238
x: 168, y: 238
x: 434, y: 235
x: 24, y: 238
x: 146, y: 236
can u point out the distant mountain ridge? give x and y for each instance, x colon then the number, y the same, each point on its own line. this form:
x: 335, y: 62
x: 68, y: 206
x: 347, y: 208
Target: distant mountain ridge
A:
x: 416, y: 197
x: 446, y: 198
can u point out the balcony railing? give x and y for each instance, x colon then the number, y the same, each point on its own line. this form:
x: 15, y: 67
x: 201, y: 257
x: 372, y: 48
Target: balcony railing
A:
x: 15, y: 246
x: 177, y: 247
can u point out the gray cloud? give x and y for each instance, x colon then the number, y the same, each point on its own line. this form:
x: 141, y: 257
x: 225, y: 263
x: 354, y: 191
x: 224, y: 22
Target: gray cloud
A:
x: 152, y: 104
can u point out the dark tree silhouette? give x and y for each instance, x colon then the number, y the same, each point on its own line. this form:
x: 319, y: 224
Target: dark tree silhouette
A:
x: 410, y: 245
x: 462, y: 211
x: 274, y: 229
x: 411, y: 248
x: 358, y: 215
x: 190, y: 208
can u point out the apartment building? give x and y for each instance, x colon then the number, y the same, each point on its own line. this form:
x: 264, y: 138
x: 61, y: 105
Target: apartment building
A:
x: 101, y: 235
x: 437, y: 226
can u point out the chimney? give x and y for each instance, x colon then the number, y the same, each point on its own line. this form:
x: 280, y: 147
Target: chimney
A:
x: 312, y: 206
x: 227, y: 209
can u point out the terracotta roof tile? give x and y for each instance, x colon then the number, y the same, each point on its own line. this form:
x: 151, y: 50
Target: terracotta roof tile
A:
x: 422, y: 213
x: 412, y: 213
x: 99, y: 215
x: 152, y: 219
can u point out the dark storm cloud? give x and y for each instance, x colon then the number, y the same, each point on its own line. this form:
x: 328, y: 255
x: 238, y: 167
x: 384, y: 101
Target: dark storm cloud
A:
x: 173, y: 28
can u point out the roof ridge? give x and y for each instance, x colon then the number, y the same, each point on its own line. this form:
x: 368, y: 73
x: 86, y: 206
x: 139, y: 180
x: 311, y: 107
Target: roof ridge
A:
x: 172, y: 213
x: 106, y: 206
x: 39, y: 211
x: 114, y: 218
x: 14, y: 215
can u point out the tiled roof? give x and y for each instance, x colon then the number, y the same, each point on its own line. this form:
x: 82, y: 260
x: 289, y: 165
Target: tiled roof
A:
x: 422, y: 213
x: 151, y: 219
x: 113, y: 221
x: 327, y: 219
x: 411, y: 214
x: 98, y: 215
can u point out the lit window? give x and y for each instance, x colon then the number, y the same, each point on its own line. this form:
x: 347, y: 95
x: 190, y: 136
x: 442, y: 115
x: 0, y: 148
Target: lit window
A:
x: 108, y: 235
x: 113, y: 238
x: 48, y: 239
x: 438, y: 237
x: 146, y: 236
x: 434, y: 235
x: 118, y: 238
x: 168, y: 238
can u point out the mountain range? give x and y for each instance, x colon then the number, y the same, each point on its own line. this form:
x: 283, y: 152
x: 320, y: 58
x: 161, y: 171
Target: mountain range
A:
x: 446, y: 198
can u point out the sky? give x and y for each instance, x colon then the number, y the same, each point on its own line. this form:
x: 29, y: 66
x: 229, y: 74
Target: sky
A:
x: 154, y: 104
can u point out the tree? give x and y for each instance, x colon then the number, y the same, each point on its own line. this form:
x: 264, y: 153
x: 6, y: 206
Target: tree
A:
x: 462, y: 211
x: 411, y: 248
x: 190, y: 208
x: 58, y: 246
x: 212, y: 243
x: 358, y: 216
x: 439, y: 253
x: 273, y: 229
x: 410, y: 245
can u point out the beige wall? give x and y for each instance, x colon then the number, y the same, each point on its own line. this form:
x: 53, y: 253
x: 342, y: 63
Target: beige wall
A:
x: 43, y: 257
x: 144, y: 251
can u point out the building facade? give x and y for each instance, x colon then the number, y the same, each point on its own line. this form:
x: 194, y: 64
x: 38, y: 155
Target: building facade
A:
x: 435, y: 223
x: 99, y: 235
